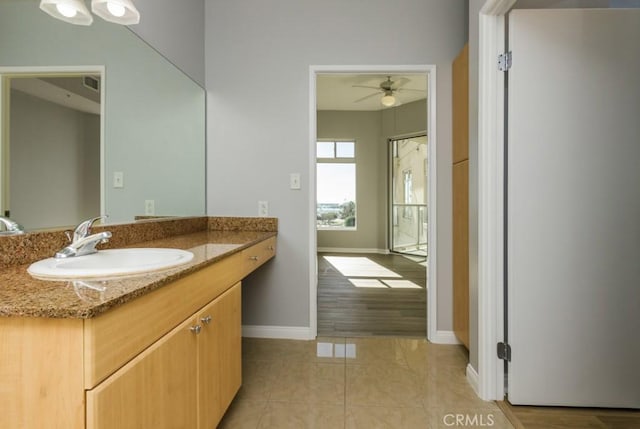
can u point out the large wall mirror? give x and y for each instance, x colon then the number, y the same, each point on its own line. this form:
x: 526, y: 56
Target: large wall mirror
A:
x: 140, y: 148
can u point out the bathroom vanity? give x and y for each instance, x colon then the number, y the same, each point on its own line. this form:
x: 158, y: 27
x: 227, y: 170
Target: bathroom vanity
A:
x: 161, y: 350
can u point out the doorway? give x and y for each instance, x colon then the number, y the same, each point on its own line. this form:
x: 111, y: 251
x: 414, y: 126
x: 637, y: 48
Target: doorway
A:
x: 368, y: 239
x: 50, y: 157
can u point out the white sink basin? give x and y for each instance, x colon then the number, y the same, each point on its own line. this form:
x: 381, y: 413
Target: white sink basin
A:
x: 110, y: 263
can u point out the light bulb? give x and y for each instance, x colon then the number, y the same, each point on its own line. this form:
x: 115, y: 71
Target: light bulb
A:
x: 66, y: 10
x: 388, y: 100
x: 116, y: 9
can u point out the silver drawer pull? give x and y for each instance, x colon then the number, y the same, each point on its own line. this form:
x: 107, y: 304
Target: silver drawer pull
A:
x: 206, y: 320
x: 196, y: 329
x: 253, y: 258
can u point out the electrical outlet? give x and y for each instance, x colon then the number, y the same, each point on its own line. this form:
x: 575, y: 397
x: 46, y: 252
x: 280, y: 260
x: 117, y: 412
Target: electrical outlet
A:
x: 118, y: 179
x: 149, y: 207
x: 294, y: 180
x: 263, y: 208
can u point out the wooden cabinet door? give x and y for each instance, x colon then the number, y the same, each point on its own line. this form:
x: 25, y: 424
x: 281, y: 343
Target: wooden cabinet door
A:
x: 156, y: 390
x: 461, y: 251
x: 219, y: 357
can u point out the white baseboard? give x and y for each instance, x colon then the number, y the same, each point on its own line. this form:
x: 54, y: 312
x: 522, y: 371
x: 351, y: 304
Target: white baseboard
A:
x: 277, y: 332
x: 352, y: 250
x: 473, y: 379
x: 444, y: 337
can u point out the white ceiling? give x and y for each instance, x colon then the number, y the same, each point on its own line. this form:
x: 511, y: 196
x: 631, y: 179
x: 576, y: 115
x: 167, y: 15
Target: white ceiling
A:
x: 337, y: 91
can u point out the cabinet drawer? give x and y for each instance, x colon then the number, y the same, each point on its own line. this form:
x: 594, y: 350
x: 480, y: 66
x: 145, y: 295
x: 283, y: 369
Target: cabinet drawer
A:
x: 258, y: 254
x: 115, y: 337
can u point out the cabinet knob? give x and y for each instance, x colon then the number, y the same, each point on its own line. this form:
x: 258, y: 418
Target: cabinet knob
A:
x: 196, y: 329
x: 253, y: 258
x: 206, y: 320
x: 271, y: 248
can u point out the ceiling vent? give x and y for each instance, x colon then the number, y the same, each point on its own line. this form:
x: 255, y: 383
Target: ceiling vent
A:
x: 91, y: 82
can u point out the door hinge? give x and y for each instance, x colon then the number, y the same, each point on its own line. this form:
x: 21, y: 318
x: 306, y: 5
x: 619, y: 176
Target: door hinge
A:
x: 504, y: 352
x: 504, y: 61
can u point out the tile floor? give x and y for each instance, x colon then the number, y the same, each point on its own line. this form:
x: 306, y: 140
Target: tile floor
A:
x: 368, y: 383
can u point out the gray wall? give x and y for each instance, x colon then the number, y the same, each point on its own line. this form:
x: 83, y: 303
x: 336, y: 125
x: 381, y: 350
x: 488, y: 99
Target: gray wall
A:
x: 257, y: 75
x: 55, y: 163
x: 176, y: 30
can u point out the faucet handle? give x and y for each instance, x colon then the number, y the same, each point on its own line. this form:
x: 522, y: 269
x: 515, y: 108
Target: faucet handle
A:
x: 11, y: 227
x: 84, y: 229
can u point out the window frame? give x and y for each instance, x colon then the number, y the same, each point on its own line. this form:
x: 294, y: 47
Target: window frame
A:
x: 338, y: 160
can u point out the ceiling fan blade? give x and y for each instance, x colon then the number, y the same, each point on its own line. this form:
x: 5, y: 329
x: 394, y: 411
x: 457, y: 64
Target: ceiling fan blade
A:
x: 400, y: 83
x: 365, y: 86
x: 368, y: 96
x: 411, y: 89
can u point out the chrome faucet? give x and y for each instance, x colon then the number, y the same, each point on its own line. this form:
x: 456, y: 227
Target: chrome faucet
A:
x: 82, y: 243
x: 10, y: 227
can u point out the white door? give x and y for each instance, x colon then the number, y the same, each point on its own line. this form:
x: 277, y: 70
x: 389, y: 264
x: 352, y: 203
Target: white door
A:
x: 574, y: 208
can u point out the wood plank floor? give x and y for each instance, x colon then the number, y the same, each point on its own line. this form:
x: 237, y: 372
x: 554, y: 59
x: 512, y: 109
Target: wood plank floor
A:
x: 371, y: 295
x: 526, y: 417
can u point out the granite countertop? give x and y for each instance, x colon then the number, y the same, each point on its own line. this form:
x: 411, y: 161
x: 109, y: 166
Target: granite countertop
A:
x: 24, y: 296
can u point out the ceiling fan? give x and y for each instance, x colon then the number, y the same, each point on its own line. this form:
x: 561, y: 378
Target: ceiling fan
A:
x: 387, y: 88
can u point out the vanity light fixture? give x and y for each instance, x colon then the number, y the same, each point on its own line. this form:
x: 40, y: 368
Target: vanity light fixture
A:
x: 116, y: 11
x: 71, y: 11
x: 76, y: 12
x: 388, y: 99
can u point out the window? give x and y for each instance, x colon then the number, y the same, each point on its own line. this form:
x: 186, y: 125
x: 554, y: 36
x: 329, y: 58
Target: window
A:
x: 336, y: 185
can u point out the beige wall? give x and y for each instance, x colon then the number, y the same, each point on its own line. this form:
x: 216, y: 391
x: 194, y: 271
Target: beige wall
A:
x: 365, y: 128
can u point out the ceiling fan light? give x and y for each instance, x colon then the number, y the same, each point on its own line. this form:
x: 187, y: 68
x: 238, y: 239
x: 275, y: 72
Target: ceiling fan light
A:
x: 116, y: 11
x: 71, y: 11
x: 388, y: 100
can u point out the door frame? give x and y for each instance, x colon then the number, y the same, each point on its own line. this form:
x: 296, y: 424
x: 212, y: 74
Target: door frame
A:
x: 489, y: 381
x: 430, y: 71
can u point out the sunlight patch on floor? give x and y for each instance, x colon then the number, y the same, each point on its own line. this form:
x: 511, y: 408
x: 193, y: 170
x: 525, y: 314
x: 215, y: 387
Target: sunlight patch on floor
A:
x: 372, y: 283
x: 401, y: 284
x: 384, y: 283
x: 357, y: 266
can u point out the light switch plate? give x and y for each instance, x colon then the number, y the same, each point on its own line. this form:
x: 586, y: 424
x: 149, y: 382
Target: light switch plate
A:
x: 118, y: 179
x: 263, y: 208
x: 149, y: 207
x: 294, y: 180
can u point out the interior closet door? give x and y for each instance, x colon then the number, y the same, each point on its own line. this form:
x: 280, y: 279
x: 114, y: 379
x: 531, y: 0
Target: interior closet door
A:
x: 574, y: 207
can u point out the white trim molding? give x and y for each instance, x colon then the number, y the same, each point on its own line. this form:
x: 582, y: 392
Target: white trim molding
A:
x: 473, y: 378
x: 444, y: 337
x: 430, y: 71
x: 490, y: 372
x: 278, y: 332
